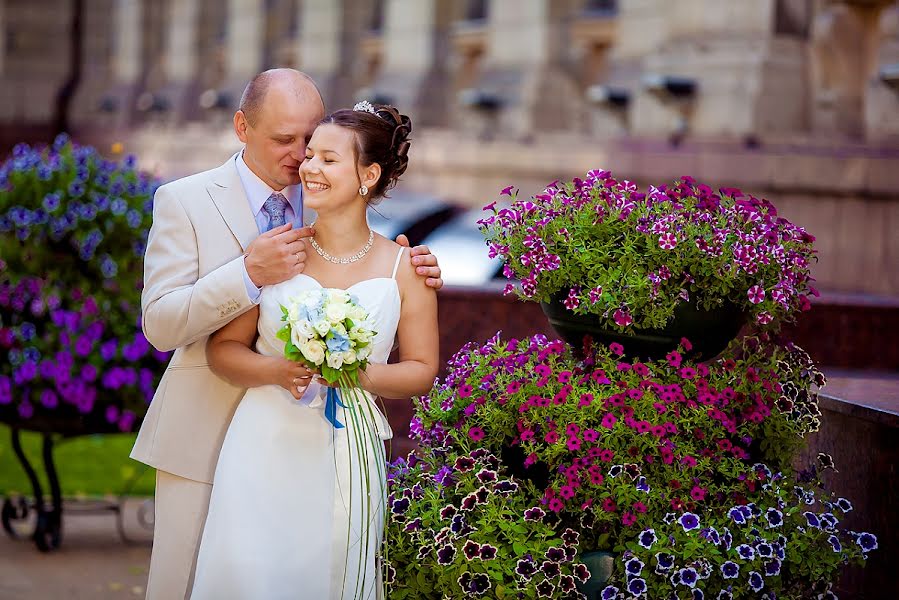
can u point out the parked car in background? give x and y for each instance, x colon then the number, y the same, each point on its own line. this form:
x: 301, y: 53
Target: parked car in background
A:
x: 460, y: 247
x: 414, y: 214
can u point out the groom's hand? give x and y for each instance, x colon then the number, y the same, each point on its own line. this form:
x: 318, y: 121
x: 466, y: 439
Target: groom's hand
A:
x: 277, y: 255
x: 424, y: 262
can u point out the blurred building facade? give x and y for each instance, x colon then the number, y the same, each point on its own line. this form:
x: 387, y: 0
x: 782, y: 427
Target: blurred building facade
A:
x: 793, y: 100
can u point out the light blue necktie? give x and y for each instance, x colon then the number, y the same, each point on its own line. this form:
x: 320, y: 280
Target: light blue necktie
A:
x: 275, y: 207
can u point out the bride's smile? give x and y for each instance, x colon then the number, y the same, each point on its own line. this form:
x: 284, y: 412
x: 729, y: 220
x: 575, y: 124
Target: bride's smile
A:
x: 331, y: 173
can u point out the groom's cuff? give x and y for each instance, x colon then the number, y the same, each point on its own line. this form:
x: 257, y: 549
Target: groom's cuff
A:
x: 253, y: 292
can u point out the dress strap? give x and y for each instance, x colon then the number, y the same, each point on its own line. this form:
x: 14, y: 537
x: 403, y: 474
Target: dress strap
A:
x: 396, y: 265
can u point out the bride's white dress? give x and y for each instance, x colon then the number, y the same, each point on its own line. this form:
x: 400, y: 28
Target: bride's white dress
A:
x: 287, y: 517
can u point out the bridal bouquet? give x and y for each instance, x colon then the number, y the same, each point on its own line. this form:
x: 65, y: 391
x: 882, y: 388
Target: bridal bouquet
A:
x: 327, y: 330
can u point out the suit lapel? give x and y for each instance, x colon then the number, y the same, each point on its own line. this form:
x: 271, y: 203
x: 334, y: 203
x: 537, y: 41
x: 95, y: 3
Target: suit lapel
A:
x: 229, y: 197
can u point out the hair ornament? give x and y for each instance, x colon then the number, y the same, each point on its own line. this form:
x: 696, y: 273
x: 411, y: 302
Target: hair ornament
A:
x: 365, y: 106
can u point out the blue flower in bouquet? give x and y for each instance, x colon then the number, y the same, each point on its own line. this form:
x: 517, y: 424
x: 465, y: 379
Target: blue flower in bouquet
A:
x: 337, y: 341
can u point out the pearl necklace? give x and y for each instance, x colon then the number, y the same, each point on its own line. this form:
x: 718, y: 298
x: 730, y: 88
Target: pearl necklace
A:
x: 349, y: 259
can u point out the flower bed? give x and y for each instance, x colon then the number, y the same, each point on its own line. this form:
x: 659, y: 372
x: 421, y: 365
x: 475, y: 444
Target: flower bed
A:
x: 74, y: 227
x: 683, y: 470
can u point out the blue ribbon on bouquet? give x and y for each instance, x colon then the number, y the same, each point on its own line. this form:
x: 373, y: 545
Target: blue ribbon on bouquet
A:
x: 331, y: 401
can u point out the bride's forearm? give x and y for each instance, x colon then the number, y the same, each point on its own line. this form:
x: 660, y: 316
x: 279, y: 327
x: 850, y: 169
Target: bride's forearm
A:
x: 239, y: 365
x: 398, y: 380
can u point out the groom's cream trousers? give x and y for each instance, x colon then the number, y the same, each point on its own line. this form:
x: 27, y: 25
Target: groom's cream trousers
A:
x: 193, y: 285
x: 181, y: 506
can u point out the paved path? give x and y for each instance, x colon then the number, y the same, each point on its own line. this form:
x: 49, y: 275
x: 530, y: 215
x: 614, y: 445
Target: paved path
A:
x: 92, y: 563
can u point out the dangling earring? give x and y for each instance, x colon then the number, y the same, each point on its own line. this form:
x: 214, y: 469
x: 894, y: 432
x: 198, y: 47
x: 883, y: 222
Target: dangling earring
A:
x: 363, y: 190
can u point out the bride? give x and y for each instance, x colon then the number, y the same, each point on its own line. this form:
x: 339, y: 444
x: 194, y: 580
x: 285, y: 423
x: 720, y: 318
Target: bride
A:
x: 289, y: 515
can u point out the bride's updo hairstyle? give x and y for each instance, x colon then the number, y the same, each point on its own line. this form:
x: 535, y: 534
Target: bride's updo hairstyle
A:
x: 382, y: 136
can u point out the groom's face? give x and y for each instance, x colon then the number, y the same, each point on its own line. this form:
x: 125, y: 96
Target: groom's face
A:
x: 276, y: 142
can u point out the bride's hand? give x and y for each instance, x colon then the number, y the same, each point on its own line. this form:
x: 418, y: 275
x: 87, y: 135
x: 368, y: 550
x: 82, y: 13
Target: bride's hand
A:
x: 293, y: 377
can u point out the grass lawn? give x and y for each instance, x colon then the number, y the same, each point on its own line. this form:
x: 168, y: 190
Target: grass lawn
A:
x: 94, y: 465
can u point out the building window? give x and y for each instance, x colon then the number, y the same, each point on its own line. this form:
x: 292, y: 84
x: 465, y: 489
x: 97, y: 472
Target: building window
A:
x: 475, y: 10
x: 601, y: 7
x: 376, y: 23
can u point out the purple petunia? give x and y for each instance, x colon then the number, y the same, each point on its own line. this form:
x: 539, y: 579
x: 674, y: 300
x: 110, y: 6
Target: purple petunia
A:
x: 756, y: 582
x: 633, y: 567
x: 746, y: 552
x: 834, y: 542
x: 636, y: 587
x: 475, y: 584
x: 534, y: 514
x: 737, y: 515
x: 774, y: 517
x: 555, y: 554
x: 664, y: 563
x: 525, y: 569
x: 545, y: 589
x: 446, y: 555
x: 471, y: 549
x: 610, y: 592
x: 688, y: 576
x: 689, y: 521
x: 866, y: 541
x: 812, y: 519
x: 772, y: 568
x: 581, y: 572
x: 730, y: 570
x: 647, y: 538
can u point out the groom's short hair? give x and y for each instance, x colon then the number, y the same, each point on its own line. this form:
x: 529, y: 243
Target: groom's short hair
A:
x: 253, y: 96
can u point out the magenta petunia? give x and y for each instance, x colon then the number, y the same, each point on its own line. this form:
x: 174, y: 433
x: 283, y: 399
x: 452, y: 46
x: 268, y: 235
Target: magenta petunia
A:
x: 476, y: 433
x: 756, y: 294
x: 609, y: 421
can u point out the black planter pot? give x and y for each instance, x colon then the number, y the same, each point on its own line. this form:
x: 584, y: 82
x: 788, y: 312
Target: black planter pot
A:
x: 709, y: 331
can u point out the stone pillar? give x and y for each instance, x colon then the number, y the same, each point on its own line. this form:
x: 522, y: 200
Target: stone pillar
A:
x: 882, y: 97
x: 524, y: 69
x: 2, y: 35
x: 244, y: 50
x: 749, y: 81
x: 35, y: 61
x: 92, y: 105
x: 415, y: 76
x: 182, y: 86
x: 329, y: 40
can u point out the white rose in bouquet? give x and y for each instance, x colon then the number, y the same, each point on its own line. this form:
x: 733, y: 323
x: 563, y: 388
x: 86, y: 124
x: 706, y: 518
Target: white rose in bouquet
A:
x: 314, y: 351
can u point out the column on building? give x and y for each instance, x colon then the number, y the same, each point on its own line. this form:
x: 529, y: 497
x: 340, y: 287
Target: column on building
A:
x: 749, y: 76
x: 93, y: 102
x: 330, y: 32
x: 415, y: 75
x: 844, y: 51
x: 2, y: 36
x: 524, y: 70
x: 181, y: 87
x: 33, y: 70
x: 244, y: 44
x: 882, y: 95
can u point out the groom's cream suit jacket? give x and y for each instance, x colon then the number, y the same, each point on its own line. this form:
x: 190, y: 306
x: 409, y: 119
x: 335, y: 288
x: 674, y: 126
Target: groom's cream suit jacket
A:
x: 193, y: 285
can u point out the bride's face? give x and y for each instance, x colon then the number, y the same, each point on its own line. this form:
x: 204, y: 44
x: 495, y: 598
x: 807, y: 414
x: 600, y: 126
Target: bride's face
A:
x: 330, y: 174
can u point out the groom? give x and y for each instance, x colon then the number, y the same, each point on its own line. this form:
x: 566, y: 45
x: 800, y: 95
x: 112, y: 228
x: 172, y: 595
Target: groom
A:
x: 217, y: 238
